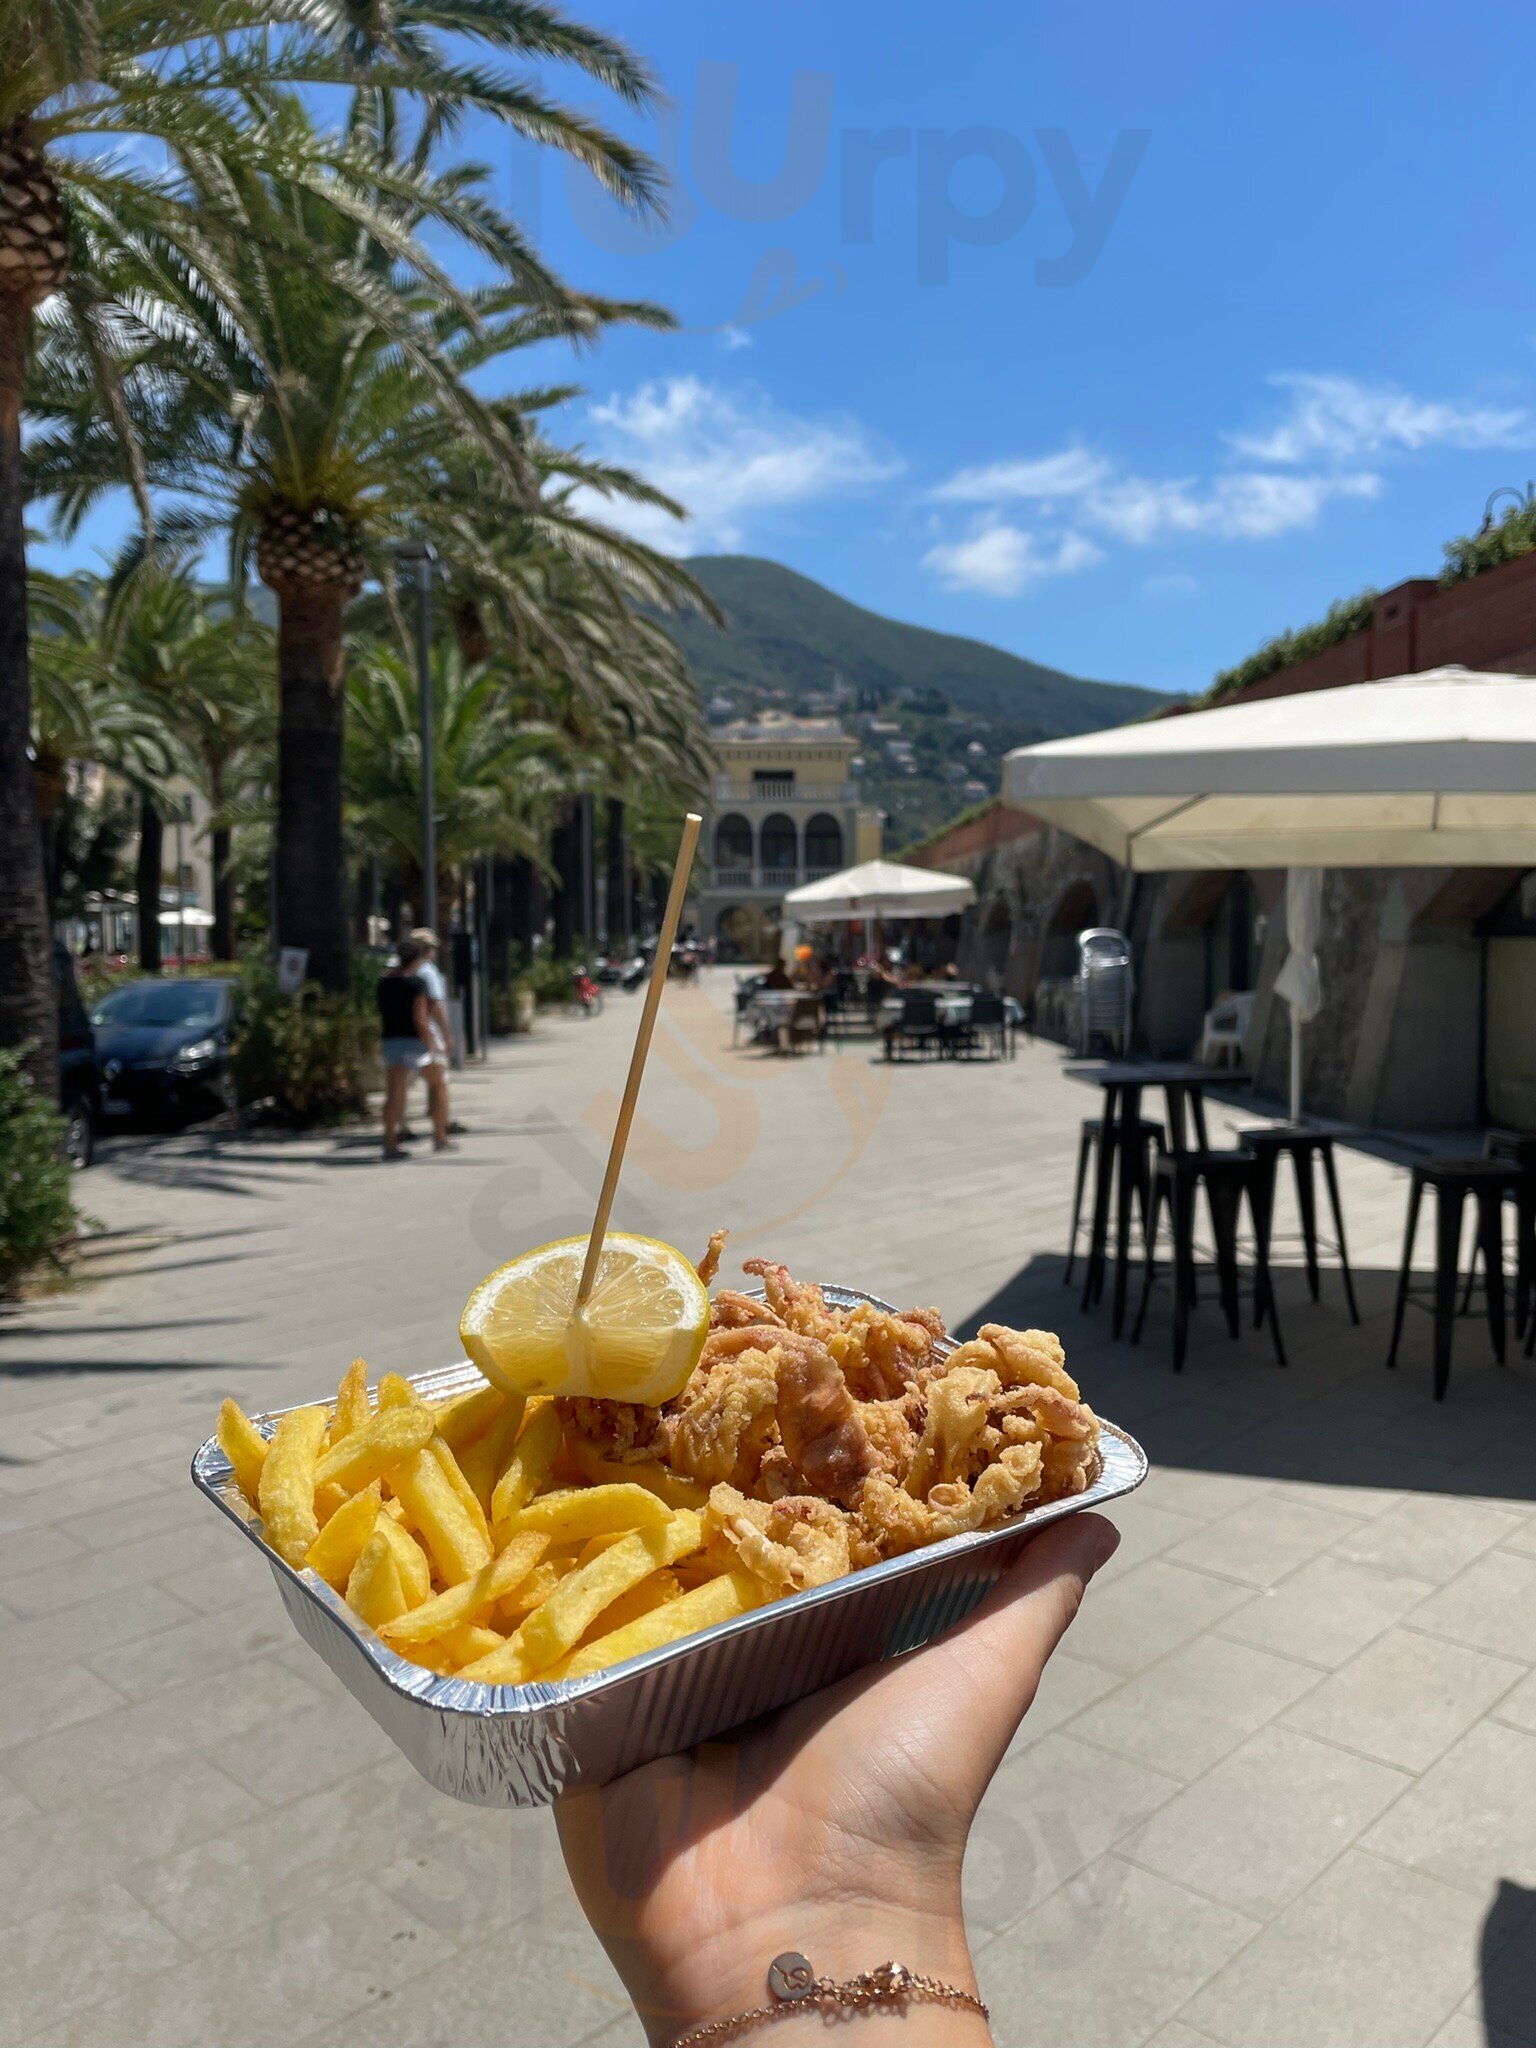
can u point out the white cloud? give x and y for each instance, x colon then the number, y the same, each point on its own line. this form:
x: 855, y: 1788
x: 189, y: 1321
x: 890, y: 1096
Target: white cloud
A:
x: 1139, y: 510
x: 1066, y: 474
x: 728, y: 456
x: 1002, y: 560
x: 1338, y: 419
x: 734, y: 338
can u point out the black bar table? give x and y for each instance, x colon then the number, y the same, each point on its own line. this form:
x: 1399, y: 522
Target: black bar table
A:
x: 1183, y: 1083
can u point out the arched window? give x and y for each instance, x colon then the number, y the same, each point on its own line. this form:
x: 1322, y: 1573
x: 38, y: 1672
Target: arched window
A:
x: 823, y: 845
x: 733, y: 842
x: 780, y: 846
x: 998, y: 937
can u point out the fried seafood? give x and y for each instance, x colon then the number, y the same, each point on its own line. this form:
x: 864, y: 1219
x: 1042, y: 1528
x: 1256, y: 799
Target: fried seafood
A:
x: 831, y: 1437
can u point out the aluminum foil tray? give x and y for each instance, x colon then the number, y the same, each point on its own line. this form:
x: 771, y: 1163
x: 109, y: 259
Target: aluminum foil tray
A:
x: 524, y: 1745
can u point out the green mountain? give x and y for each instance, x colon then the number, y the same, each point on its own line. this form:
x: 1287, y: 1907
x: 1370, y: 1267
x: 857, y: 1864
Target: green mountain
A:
x: 790, y: 634
x: 933, y: 714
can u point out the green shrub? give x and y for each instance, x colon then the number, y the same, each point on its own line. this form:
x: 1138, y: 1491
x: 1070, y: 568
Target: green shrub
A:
x: 307, y: 1058
x: 1348, y: 615
x: 37, y: 1215
x: 549, y: 975
x: 1471, y: 553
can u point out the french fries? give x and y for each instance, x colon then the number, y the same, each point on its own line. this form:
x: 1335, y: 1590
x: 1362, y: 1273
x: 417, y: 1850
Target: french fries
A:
x: 454, y: 1531
x: 244, y: 1446
x: 716, y: 1600
x: 591, y: 1511
x: 285, y: 1493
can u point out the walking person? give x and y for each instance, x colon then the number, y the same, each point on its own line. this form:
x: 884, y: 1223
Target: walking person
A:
x: 409, y: 1047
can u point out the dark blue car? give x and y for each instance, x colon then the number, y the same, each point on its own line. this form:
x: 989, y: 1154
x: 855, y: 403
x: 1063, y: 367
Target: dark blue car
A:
x: 165, y: 1047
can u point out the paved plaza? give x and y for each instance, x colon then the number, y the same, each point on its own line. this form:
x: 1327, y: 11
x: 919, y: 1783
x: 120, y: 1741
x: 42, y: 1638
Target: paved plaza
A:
x: 1279, y: 1790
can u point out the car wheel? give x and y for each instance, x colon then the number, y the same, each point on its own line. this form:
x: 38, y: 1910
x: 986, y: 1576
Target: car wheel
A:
x: 79, y: 1132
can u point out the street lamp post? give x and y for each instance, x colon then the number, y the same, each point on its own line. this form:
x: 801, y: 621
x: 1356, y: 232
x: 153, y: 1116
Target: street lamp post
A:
x: 423, y: 559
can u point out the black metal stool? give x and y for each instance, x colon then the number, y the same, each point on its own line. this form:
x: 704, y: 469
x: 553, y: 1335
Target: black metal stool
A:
x: 1228, y: 1177
x: 1268, y: 1142
x: 1487, y: 1181
x: 1517, y: 1149
x: 1150, y: 1141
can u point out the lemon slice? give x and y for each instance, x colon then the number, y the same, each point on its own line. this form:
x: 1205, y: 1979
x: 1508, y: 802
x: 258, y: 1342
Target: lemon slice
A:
x: 637, y: 1339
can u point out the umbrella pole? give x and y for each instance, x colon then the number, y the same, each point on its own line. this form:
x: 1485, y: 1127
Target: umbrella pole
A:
x: 1295, y: 1068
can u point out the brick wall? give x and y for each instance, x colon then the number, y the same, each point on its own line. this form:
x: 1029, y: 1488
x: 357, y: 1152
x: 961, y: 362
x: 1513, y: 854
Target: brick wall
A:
x: 1487, y: 622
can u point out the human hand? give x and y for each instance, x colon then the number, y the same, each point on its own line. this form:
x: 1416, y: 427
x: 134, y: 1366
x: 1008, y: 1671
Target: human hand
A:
x: 836, y: 1827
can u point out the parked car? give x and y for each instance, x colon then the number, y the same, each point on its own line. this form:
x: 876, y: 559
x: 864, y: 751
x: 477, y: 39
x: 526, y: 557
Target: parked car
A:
x: 165, y: 1048
x: 79, y: 1068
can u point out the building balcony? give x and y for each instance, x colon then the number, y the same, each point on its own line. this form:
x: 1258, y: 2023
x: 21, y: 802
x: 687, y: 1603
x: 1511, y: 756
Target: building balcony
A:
x: 728, y: 789
x: 778, y: 879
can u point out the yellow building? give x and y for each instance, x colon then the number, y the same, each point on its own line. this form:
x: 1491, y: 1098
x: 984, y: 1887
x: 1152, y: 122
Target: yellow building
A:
x: 784, y: 809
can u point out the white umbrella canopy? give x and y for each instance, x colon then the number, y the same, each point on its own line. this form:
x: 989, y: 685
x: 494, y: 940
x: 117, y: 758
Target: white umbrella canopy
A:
x: 1429, y: 770
x: 879, y: 889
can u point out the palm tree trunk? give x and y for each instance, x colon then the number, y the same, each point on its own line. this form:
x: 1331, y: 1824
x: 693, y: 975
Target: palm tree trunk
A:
x: 565, y: 854
x: 147, y: 881
x: 28, y: 1000
x: 617, y: 894
x: 469, y: 633
x: 394, y: 903
x: 526, y: 907
x: 311, y: 876
x: 223, y: 939
x: 498, y: 924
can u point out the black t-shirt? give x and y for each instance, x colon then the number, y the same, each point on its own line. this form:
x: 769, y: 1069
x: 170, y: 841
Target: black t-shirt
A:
x: 397, y: 999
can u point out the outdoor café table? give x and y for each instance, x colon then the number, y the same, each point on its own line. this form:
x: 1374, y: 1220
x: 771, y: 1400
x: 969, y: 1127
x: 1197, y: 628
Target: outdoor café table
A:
x: 771, y: 1010
x: 1183, y: 1085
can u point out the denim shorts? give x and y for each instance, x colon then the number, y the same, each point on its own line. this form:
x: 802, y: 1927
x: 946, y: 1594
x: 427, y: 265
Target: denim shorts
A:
x: 408, y: 1052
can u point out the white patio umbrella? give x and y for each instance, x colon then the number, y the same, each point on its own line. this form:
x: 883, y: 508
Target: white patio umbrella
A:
x: 1429, y: 770
x: 879, y: 889
x: 1300, y: 981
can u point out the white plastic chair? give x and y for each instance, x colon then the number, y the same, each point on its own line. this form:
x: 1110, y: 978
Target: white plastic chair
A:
x: 1225, y: 1032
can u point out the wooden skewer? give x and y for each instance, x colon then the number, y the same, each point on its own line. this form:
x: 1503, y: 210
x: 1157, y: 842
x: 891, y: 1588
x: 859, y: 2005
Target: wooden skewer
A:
x: 659, y: 966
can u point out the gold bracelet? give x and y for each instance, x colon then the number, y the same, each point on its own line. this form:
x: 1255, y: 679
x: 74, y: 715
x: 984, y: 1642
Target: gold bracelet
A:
x: 793, y: 1984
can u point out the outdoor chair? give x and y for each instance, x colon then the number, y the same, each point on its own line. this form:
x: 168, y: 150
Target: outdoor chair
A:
x: 1515, y: 1149
x: 1150, y: 1141
x: 807, y: 1024
x: 1272, y: 1142
x: 918, y: 1029
x: 987, y: 1025
x: 1225, y: 1031
x: 745, y: 991
x: 1486, y: 1182
x: 1229, y: 1178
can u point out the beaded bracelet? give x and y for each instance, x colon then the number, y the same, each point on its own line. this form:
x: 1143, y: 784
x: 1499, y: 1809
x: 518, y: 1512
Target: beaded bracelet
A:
x: 793, y: 1984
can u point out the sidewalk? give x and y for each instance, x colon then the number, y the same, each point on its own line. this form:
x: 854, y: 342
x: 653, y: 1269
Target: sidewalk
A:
x: 1278, y: 1789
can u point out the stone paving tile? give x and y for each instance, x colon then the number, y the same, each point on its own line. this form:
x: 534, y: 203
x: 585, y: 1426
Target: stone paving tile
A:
x: 47, y: 1506
x: 1185, y: 1714
x: 1137, y: 1619
x: 1069, y: 1684
x: 1519, y: 1707
x: 1369, y: 1956
x: 1491, y: 1606
x: 1468, y: 1819
x: 35, y: 1549
x: 195, y: 1648
x: 1265, y: 1820
x: 36, y: 1698
x: 336, y: 1954
x: 1104, y: 1960
x: 99, y: 1625
x: 540, y: 1982
x: 1325, y: 1611
x: 50, y: 1972
x: 47, y: 1857
x: 1177, y: 2035
x: 1050, y: 1810
x: 1428, y: 1536
x: 1146, y: 1530
x: 212, y: 1714
x: 1262, y: 1541
x: 99, y: 1571
x: 1405, y: 1699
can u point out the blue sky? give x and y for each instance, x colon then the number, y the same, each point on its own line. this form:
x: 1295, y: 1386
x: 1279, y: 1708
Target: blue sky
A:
x: 1151, y: 332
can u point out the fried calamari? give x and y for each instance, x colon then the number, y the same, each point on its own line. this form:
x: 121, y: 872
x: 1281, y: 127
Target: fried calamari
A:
x: 830, y: 1438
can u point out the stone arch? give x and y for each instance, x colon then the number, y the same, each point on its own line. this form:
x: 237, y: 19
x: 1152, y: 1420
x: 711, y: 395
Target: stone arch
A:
x: 780, y: 844
x: 823, y: 843
x: 1075, y: 910
x: 733, y: 841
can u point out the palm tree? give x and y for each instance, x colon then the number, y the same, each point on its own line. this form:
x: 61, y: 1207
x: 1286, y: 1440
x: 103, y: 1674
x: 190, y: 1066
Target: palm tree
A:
x: 205, y: 669
x: 84, y: 230
x: 489, y: 765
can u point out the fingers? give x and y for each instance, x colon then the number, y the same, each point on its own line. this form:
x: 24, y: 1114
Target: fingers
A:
x: 996, y: 1658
